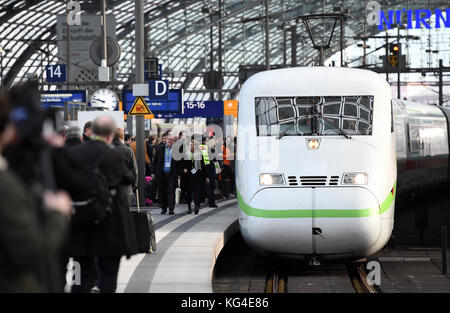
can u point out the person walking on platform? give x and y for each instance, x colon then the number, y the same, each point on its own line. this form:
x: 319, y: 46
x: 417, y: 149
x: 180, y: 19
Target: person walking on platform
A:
x: 194, y: 169
x: 211, y: 175
x: 101, y: 244
x: 128, y: 158
x: 167, y: 172
x: 87, y: 131
x: 73, y: 137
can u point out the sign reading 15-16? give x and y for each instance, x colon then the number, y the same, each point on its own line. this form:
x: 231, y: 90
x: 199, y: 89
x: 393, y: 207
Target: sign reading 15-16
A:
x: 56, y: 73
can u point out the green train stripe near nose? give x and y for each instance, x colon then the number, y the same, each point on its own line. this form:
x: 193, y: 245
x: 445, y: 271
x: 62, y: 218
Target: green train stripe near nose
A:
x: 321, y: 213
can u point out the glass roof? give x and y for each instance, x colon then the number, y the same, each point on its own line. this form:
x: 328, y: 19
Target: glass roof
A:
x: 29, y: 42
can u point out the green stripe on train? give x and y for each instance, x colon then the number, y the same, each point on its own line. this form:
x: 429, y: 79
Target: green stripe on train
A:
x: 316, y: 213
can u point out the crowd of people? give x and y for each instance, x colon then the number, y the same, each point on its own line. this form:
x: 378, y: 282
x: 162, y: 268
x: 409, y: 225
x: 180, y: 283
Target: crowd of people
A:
x: 67, y: 194
x: 195, y: 165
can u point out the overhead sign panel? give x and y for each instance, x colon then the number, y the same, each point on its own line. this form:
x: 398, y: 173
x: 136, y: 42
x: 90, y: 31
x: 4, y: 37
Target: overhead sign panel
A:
x: 60, y: 97
x: 205, y: 109
x: 56, y: 73
x: 81, y: 38
x: 171, y: 105
x: 158, y: 89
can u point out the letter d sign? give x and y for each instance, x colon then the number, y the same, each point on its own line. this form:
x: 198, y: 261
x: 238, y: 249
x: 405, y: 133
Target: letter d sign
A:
x: 158, y: 89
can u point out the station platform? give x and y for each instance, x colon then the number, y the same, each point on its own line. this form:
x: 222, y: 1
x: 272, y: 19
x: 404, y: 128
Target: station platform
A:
x: 187, y: 249
x: 416, y: 269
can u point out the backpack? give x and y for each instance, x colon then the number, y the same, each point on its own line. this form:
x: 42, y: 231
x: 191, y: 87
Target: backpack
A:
x: 94, y: 210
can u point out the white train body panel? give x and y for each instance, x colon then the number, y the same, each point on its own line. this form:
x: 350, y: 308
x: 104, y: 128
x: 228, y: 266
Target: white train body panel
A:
x: 354, y: 220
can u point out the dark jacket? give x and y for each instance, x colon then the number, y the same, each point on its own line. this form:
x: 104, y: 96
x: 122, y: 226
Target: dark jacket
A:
x: 72, y: 142
x: 115, y: 235
x: 128, y: 158
x: 25, y: 243
x: 151, y: 149
x: 158, y: 164
x: 187, y: 164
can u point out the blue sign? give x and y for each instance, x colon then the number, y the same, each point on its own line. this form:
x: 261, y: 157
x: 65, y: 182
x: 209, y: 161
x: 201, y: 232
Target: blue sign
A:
x: 205, y: 109
x: 421, y: 16
x: 59, y: 97
x: 171, y: 105
x: 56, y: 73
x: 158, y: 89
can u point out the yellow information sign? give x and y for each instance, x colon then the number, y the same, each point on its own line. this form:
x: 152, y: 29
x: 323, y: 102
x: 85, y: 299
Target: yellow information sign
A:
x: 140, y: 108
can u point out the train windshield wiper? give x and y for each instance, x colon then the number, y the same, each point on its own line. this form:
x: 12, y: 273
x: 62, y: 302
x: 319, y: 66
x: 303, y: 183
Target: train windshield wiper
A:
x: 284, y: 132
x: 340, y: 130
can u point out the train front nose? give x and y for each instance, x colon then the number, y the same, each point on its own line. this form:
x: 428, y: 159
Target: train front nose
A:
x: 346, y: 220
x: 322, y: 221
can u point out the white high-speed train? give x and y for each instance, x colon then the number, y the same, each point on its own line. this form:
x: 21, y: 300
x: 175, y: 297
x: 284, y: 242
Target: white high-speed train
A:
x: 316, y: 165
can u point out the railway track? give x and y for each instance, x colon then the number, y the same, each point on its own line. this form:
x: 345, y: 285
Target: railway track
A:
x: 277, y: 281
x: 358, y: 277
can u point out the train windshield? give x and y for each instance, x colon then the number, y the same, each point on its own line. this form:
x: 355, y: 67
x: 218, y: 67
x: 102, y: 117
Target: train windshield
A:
x: 321, y: 116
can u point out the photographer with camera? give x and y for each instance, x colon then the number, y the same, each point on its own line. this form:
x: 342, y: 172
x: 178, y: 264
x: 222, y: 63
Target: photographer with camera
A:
x: 30, y: 232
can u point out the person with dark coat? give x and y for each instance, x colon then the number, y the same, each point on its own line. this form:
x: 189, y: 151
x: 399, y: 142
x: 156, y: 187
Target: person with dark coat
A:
x: 25, y: 242
x: 167, y: 172
x: 73, y: 137
x: 87, y: 131
x: 128, y: 158
x: 104, y: 244
x: 194, y: 169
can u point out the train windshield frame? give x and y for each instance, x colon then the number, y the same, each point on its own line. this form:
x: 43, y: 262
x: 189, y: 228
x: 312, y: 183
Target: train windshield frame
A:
x: 314, y: 116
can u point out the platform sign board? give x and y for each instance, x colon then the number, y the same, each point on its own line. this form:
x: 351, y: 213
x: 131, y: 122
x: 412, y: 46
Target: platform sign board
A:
x: 204, y: 109
x: 171, y: 105
x: 230, y: 107
x: 81, y: 38
x: 158, y: 89
x: 56, y: 73
x: 60, y: 97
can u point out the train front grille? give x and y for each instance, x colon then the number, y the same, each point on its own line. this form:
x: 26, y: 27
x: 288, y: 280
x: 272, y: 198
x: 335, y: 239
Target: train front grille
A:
x: 313, y: 180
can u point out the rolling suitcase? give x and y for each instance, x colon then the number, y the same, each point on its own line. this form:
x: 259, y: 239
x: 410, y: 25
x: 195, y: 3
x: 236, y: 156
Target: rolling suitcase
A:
x: 145, y: 230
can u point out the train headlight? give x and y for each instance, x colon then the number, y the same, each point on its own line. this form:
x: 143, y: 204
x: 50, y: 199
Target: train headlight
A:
x: 355, y: 179
x: 313, y: 144
x: 271, y: 179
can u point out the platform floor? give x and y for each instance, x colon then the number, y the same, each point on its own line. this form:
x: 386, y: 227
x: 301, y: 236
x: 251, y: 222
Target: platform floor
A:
x: 412, y: 269
x: 187, y: 249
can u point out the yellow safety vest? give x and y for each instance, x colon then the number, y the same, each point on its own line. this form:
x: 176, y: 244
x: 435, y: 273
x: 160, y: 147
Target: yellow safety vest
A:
x: 205, y: 154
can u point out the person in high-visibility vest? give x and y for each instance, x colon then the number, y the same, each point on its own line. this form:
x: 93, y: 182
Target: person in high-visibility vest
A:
x: 211, y: 168
x: 194, y: 168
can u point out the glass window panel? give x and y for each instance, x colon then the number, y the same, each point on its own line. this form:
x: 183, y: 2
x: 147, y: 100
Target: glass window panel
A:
x: 349, y: 125
x: 365, y: 102
x: 304, y: 126
x: 364, y: 114
x: 304, y: 111
x: 316, y: 115
x: 350, y: 110
x: 331, y: 108
x: 328, y: 125
x: 286, y: 112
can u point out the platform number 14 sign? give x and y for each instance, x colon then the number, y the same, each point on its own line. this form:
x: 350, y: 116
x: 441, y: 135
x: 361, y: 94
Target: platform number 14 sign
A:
x: 56, y: 73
